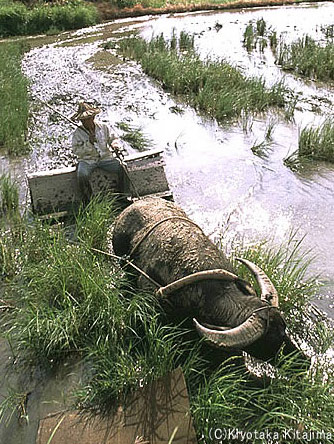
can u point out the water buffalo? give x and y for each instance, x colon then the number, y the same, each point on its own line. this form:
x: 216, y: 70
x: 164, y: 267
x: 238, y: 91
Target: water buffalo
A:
x: 198, y: 280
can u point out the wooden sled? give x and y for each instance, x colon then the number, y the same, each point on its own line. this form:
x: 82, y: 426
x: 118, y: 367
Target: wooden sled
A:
x: 56, y: 191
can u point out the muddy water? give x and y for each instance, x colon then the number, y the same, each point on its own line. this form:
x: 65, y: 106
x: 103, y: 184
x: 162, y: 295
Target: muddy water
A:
x: 212, y: 171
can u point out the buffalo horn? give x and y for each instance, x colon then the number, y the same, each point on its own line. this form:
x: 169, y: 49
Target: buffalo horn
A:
x: 268, y: 291
x: 235, y: 338
x: 196, y: 277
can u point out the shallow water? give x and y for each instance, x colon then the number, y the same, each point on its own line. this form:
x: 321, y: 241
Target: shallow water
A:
x: 212, y: 171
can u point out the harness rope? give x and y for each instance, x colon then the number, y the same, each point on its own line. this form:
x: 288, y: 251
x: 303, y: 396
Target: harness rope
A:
x: 155, y: 225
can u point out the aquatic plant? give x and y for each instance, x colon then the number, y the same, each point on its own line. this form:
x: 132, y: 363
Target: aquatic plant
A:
x: 249, y: 40
x: 9, y: 196
x: 134, y: 136
x: 213, y: 87
x: 229, y: 407
x: 261, y: 27
x: 14, y: 403
x: 260, y: 149
x: 307, y: 58
x: 257, y: 35
x: 328, y: 32
x: 317, y: 143
x: 14, y: 110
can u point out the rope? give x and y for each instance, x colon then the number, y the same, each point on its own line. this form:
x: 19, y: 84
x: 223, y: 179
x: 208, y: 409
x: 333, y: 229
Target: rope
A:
x: 129, y: 263
x: 185, y: 281
x: 154, y: 226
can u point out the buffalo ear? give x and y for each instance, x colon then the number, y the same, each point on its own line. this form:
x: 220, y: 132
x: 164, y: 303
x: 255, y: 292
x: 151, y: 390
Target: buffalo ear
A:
x: 245, y: 287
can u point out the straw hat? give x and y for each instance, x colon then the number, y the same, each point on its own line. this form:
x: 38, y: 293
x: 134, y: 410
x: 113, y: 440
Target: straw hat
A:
x: 85, y: 111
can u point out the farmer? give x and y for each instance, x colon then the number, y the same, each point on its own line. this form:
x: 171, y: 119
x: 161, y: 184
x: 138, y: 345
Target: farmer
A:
x: 95, y: 145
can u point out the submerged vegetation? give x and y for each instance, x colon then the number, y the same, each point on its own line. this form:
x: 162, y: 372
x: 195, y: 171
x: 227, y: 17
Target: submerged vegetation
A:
x: 213, y: 87
x: 66, y: 300
x: 14, y: 100
x: 18, y: 19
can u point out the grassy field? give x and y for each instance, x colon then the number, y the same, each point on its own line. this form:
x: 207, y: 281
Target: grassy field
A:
x: 14, y: 100
x: 69, y: 301
x: 212, y: 87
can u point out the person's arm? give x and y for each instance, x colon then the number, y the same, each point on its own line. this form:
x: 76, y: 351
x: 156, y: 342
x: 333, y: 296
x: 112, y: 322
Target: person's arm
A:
x: 115, y: 143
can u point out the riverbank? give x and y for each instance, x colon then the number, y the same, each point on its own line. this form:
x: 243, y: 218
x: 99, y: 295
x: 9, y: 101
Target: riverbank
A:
x: 108, y: 11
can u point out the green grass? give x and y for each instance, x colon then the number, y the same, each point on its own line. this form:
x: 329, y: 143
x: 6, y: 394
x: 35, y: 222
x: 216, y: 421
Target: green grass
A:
x: 14, y: 111
x: 134, y: 136
x: 308, y: 58
x: 212, y: 87
x: 317, y: 143
x: 69, y: 301
x: 229, y: 405
x: 9, y: 196
x: 18, y: 19
x: 258, y: 35
x: 314, y: 143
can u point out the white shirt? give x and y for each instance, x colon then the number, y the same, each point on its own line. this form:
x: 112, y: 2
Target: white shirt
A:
x: 93, y: 152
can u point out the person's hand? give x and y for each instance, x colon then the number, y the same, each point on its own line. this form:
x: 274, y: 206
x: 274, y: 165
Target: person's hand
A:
x: 116, y: 144
x: 117, y: 148
x: 141, y: 440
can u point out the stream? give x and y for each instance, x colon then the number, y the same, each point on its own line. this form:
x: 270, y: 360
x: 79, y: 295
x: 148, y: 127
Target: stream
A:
x: 211, y: 169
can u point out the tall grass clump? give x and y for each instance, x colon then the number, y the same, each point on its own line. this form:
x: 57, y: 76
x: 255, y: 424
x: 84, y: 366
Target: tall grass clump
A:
x: 9, y: 196
x: 18, y: 19
x: 134, y: 136
x: 308, y: 58
x: 297, y: 406
x: 213, y: 87
x: 317, y: 143
x: 14, y: 110
x: 257, y: 35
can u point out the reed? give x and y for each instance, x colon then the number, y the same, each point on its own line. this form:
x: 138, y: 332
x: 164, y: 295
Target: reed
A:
x: 14, y: 100
x: 257, y: 35
x: 134, y: 136
x: 308, y: 58
x: 213, y: 87
x: 317, y: 143
x: 9, y: 196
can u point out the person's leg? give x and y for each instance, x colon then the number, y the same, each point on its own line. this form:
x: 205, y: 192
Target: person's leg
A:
x: 113, y: 166
x: 84, y: 171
